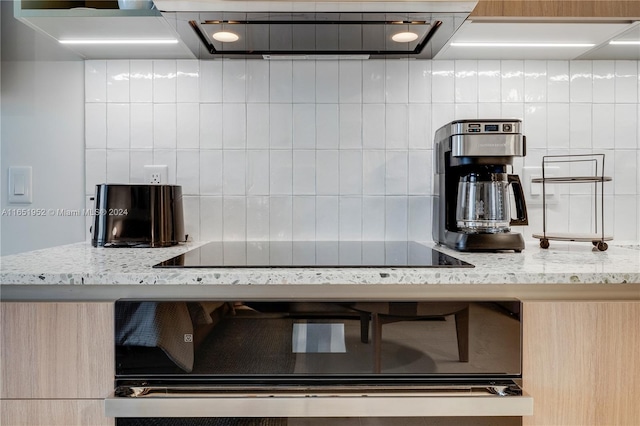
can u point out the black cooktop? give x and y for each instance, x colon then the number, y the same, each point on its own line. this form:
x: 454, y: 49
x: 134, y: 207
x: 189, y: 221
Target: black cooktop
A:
x: 325, y: 254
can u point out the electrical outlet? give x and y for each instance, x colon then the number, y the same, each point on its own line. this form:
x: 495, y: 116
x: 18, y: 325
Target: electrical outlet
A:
x: 157, y: 175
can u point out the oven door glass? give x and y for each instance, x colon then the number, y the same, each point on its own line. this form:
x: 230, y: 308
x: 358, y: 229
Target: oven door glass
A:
x: 304, y: 358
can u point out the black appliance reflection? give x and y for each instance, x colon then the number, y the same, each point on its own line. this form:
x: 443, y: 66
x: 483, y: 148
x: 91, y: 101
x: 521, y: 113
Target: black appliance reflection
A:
x: 328, y: 254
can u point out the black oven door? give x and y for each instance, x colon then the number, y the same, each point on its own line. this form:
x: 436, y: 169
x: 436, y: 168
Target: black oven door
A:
x: 317, y: 359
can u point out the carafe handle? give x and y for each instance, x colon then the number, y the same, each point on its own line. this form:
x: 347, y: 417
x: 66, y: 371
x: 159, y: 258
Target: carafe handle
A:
x: 518, y: 196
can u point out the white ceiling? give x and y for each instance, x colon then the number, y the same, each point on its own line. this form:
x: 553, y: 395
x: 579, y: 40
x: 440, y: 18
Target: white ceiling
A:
x: 597, y: 33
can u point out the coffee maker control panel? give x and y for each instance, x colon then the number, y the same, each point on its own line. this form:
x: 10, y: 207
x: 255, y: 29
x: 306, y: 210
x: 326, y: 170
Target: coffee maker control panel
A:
x: 489, y: 128
x: 480, y: 126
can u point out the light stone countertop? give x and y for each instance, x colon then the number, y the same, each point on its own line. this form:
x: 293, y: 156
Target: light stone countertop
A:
x: 81, y: 264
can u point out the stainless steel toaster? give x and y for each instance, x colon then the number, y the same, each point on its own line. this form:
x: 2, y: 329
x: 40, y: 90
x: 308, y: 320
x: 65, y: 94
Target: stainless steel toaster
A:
x: 136, y: 215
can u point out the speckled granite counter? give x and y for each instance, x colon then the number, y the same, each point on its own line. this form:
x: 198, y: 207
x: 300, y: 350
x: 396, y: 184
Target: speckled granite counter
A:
x: 79, y: 271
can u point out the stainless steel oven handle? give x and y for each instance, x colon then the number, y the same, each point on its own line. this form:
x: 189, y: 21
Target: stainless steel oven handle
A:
x: 215, y: 401
x: 312, y: 391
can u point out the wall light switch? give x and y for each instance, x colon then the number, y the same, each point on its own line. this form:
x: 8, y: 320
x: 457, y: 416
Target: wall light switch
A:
x: 20, y: 190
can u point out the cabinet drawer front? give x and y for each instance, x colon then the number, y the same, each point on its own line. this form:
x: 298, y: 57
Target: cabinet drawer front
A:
x: 57, y: 412
x: 57, y: 350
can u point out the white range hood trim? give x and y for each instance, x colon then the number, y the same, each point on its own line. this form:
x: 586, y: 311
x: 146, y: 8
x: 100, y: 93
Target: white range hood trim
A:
x: 435, y: 6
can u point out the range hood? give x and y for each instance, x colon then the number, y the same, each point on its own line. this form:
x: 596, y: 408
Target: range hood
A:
x: 315, y: 29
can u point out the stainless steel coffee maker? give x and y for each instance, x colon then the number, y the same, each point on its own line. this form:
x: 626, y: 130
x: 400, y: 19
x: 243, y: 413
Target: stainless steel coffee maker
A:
x: 472, y: 203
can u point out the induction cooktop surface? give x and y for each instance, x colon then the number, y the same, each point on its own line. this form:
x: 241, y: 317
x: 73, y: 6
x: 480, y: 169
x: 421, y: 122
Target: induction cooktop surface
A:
x: 325, y: 254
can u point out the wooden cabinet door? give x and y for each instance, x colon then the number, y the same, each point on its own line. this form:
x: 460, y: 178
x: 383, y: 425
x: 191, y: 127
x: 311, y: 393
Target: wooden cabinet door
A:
x: 557, y: 8
x: 53, y: 412
x: 56, y: 350
x: 580, y: 362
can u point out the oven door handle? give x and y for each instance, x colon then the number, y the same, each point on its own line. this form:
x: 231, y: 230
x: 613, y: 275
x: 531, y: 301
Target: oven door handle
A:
x: 203, y: 401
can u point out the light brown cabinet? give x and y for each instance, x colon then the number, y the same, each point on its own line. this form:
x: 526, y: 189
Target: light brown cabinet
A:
x: 557, y: 8
x: 57, y: 363
x: 580, y: 362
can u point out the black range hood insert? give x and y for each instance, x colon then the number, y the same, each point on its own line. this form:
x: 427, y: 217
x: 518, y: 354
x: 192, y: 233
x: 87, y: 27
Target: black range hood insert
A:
x: 306, y: 29
x: 317, y: 35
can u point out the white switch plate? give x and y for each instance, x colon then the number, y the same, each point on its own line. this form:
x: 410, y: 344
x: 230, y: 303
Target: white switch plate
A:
x: 157, y: 175
x: 20, y: 188
x: 533, y: 191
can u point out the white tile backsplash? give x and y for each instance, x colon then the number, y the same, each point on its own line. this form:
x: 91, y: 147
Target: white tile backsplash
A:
x: 141, y: 81
x: 141, y: 125
x: 327, y: 172
x: 280, y: 81
x: 118, y: 81
x: 95, y: 79
x: 233, y: 172
x: 397, y: 126
x: 258, y: 218
x: 327, y: 218
x: 350, y: 75
x: 210, y: 126
x: 95, y: 116
x: 558, y: 81
x: 118, y: 166
x: 443, y: 82
x: 581, y: 81
x: 164, y: 126
x: 95, y: 169
x: 466, y: 81
x: 350, y: 218
x: 420, y: 135
x: 373, y: 126
x: 579, y: 125
x: 535, y: 81
x: 234, y: 77
x: 304, y: 172
x: 210, y: 81
x: 489, y: 81
x: 257, y: 81
x: 234, y: 128
x: 397, y: 82
x: 281, y: 126
x: 188, y: 79
x: 210, y: 172
x: 512, y: 75
x: 327, y: 82
x: 327, y: 126
x: 304, y: 126
x: 625, y: 126
x: 234, y: 218
x: 188, y: 171
x: 137, y: 160
x: 188, y: 125
x: 281, y: 172
x: 343, y: 149
x: 118, y: 130
x: 350, y: 126
x: 350, y: 172
x: 304, y: 81
x: 373, y: 78
x: 626, y: 82
x: 164, y: 81
x: 604, y: 83
x: 420, y: 81
x: 304, y: 218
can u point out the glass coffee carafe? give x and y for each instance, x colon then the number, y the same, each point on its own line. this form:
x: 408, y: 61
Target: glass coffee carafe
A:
x: 484, y: 205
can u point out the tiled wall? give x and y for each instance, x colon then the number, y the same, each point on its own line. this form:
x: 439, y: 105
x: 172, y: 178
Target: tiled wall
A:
x: 343, y: 149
